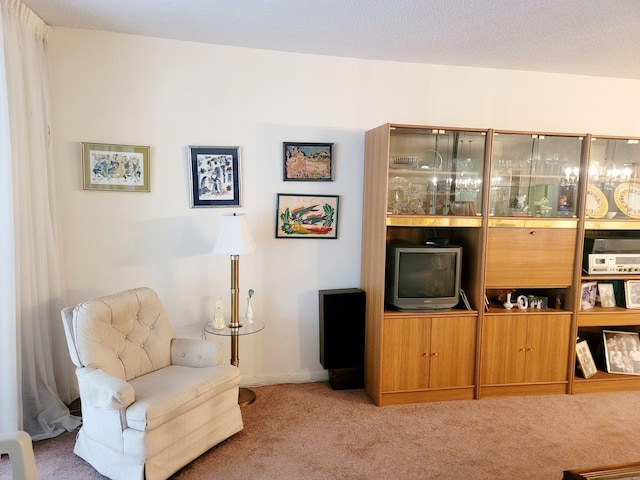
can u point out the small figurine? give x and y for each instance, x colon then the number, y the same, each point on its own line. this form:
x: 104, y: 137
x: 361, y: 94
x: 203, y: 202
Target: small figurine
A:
x: 523, y: 302
x: 218, y: 318
x: 249, y: 314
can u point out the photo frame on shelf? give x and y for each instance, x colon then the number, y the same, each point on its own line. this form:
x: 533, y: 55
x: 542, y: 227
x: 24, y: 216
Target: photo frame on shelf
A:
x: 622, y: 352
x: 632, y: 293
x: 307, y: 216
x: 607, y: 295
x: 123, y: 168
x: 214, y: 176
x: 588, y: 292
x: 585, y: 359
x: 307, y: 162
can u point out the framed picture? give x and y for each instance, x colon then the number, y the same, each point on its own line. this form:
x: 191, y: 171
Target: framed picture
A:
x: 308, y: 161
x: 632, y: 293
x: 307, y: 216
x: 214, y: 176
x: 607, y: 297
x: 588, y: 295
x: 585, y: 359
x: 122, y: 168
x: 622, y: 352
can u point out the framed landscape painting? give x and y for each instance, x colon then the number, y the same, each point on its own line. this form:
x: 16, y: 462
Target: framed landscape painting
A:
x: 308, y: 161
x: 307, y: 216
x: 214, y: 176
x: 123, y: 168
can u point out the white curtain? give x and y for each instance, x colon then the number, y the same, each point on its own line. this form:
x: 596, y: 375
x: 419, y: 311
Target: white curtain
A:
x: 36, y: 374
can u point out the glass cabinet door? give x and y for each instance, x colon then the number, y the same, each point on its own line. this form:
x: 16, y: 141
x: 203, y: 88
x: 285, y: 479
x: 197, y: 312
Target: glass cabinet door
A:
x: 534, y: 175
x: 435, y: 172
x: 614, y: 189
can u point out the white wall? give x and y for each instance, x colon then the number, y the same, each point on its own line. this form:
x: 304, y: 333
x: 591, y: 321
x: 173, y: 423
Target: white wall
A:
x: 114, y: 88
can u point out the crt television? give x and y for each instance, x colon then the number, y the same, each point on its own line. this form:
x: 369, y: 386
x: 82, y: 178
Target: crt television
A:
x: 423, y: 277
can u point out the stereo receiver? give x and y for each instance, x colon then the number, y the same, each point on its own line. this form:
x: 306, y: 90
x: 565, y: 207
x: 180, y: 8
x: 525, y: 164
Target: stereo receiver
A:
x: 605, y: 263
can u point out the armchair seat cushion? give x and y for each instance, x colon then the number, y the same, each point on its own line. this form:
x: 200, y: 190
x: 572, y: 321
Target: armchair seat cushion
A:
x: 171, y: 391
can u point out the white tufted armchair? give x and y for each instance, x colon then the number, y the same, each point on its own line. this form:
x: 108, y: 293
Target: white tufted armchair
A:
x: 151, y: 403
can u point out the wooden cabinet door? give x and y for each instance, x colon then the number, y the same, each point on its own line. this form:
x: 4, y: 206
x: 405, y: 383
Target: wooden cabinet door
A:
x: 405, y: 354
x: 547, y: 348
x: 530, y: 257
x: 453, y: 352
x: 503, y: 349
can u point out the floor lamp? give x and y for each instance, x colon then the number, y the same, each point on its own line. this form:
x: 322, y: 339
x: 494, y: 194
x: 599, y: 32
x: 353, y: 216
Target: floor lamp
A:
x: 234, y: 239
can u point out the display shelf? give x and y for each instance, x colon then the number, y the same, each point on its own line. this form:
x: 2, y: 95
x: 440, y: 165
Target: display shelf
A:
x: 531, y: 222
x: 497, y: 310
x: 605, y: 382
x: 426, y: 221
x: 608, y: 317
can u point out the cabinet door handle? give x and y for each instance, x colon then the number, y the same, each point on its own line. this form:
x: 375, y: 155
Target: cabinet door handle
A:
x: 532, y: 232
x: 529, y: 349
x: 434, y: 354
x: 522, y: 349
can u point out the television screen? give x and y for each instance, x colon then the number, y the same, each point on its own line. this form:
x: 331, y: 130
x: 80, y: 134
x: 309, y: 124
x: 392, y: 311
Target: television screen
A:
x: 427, y: 276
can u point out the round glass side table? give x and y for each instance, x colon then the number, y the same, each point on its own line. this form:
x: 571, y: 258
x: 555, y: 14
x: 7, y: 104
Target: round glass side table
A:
x: 246, y: 396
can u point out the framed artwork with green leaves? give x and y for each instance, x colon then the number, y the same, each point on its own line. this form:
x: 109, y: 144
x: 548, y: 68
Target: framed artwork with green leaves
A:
x: 307, y: 216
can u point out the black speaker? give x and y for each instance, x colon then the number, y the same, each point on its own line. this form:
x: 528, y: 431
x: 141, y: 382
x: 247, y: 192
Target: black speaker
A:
x: 342, y: 320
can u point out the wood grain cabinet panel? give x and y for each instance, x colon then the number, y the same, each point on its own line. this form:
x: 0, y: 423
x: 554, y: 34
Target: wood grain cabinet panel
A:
x: 421, y: 353
x: 522, y: 348
x: 530, y: 257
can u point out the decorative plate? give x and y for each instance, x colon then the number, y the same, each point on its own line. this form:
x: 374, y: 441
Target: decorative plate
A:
x: 597, y: 205
x: 627, y: 197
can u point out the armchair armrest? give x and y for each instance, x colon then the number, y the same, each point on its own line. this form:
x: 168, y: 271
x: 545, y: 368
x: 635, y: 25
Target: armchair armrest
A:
x: 101, y: 390
x: 191, y: 352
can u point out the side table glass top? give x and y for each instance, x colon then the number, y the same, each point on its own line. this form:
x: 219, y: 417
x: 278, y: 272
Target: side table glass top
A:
x: 244, y: 329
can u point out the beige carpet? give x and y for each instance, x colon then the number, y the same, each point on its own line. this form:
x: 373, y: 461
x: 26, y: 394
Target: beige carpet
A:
x: 308, y: 431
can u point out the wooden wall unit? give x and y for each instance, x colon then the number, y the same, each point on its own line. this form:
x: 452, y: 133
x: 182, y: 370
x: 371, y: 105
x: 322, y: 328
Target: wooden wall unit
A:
x: 520, y: 204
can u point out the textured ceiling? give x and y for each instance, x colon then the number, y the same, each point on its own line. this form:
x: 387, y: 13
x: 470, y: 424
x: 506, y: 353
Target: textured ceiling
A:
x: 583, y: 37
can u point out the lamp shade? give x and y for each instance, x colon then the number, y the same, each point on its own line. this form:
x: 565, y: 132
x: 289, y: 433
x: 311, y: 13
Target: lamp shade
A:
x: 234, y: 237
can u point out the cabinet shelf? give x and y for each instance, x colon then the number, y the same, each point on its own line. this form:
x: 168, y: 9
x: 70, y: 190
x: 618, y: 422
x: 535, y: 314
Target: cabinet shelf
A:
x: 606, y: 382
x: 436, y: 221
x: 612, y: 224
x: 608, y: 317
x: 533, y: 222
x: 496, y: 310
x: 455, y: 312
x: 609, y: 278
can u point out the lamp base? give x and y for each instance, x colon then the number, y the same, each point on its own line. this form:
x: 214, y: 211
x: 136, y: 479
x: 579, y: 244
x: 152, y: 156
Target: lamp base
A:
x: 246, y: 397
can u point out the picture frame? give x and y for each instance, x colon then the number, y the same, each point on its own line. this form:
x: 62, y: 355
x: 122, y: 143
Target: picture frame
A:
x: 113, y: 167
x: 622, y: 352
x: 214, y: 176
x: 585, y: 359
x: 607, y: 295
x: 307, y: 216
x: 632, y: 293
x: 588, y: 292
x: 307, y: 162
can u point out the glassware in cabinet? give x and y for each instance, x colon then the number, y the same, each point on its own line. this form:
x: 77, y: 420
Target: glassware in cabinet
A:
x: 535, y: 175
x: 436, y: 171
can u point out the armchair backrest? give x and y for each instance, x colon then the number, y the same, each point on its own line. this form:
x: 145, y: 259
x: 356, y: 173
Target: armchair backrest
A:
x: 126, y: 334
